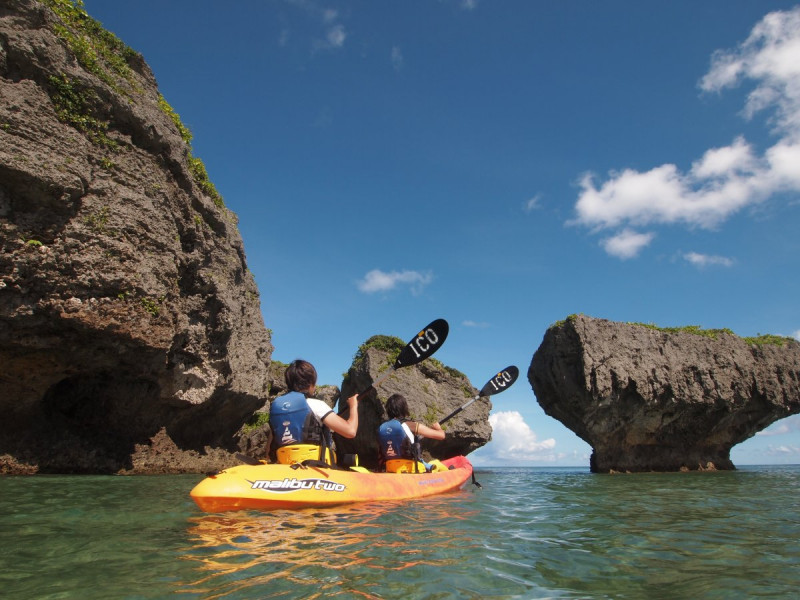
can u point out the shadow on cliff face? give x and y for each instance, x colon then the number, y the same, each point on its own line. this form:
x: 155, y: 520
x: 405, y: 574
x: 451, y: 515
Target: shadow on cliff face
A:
x: 213, y: 423
x: 91, y: 422
x: 96, y: 422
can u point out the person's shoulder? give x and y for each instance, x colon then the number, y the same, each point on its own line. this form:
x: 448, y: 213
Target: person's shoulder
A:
x: 318, y: 406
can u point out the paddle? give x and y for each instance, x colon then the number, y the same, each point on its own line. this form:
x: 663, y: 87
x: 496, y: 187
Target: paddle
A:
x: 500, y: 382
x: 248, y: 460
x: 424, y: 344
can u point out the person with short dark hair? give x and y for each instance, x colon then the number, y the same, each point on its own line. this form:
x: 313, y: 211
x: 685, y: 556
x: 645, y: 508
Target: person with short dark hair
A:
x: 301, y: 424
x: 397, y: 438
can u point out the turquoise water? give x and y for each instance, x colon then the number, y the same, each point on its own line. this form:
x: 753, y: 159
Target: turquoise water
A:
x: 528, y: 533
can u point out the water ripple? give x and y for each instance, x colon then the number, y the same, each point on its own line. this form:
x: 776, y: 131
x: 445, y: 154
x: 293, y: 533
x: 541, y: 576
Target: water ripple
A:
x: 529, y: 533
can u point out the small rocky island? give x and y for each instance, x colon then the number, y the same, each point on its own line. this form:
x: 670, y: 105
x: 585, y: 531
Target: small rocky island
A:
x: 650, y: 399
x: 433, y: 391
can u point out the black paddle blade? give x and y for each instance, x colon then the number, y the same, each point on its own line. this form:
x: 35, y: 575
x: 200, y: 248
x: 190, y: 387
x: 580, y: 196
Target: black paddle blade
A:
x: 500, y: 382
x: 426, y: 342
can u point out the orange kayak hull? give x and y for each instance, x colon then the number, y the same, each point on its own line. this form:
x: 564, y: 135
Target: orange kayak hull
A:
x: 274, y: 486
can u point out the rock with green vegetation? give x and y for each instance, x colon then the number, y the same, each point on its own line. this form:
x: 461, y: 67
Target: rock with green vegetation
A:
x: 663, y: 399
x: 127, y: 312
x: 432, y: 390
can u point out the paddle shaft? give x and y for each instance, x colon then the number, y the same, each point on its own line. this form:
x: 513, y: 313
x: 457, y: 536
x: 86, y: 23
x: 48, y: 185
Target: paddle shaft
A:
x: 458, y: 410
x: 377, y: 383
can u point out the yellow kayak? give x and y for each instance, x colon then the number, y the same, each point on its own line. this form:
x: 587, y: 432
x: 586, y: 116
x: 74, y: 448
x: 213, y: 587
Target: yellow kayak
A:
x: 276, y: 486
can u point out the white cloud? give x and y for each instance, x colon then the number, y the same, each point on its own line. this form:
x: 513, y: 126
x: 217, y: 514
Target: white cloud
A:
x: 781, y: 429
x: 771, y: 56
x: 706, y: 260
x: 532, y: 203
x: 627, y: 243
x: 513, y: 441
x: 796, y: 334
x: 480, y: 324
x: 380, y: 281
x: 725, y: 180
x: 786, y: 451
x: 785, y: 426
x: 397, y: 58
x: 336, y: 36
x: 718, y: 162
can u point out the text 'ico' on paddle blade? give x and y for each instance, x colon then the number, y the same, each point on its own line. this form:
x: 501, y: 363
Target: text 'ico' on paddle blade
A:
x: 500, y: 382
x: 424, y: 344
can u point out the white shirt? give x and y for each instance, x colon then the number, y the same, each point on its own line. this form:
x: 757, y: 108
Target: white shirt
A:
x: 319, y: 408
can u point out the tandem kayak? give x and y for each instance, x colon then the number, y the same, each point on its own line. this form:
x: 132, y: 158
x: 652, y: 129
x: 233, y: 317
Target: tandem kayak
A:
x: 276, y: 486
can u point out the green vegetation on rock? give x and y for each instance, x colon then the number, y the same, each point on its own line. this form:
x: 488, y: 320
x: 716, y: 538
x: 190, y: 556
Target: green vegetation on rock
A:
x: 431, y: 415
x: 103, y: 54
x: 693, y: 329
x: 186, y: 135
x: 257, y: 421
x: 74, y: 106
x: 759, y: 340
x: 201, y: 178
x: 151, y: 305
x: 98, y: 51
x: 390, y: 344
x: 98, y: 219
x: 196, y: 166
x: 769, y: 339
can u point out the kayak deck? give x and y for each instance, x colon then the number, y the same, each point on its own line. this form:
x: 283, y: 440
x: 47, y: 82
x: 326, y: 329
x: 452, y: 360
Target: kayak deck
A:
x: 275, y: 486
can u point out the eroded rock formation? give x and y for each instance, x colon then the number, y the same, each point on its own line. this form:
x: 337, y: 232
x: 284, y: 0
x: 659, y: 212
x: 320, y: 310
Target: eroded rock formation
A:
x: 127, y: 312
x: 647, y: 399
x: 432, y: 390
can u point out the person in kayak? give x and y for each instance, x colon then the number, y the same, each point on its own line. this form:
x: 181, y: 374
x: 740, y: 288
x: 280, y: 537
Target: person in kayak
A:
x: 301, y: 424
x: 400, y: 452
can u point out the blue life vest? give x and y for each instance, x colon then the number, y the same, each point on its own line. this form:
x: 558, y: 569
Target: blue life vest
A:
x: 393, y: 441
x: 293, y: 421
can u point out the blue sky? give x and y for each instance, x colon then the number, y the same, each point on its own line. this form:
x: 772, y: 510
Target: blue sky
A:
x: 501, y: 165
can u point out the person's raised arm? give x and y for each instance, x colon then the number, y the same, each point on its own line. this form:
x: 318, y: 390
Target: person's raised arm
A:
x: 434, y: 432
x: 345, y: 428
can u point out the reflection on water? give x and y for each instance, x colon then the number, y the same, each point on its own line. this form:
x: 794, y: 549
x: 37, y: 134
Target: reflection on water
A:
x: 345, y: 551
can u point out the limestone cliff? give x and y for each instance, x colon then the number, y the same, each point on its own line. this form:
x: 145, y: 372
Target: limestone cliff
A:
x: 649, y: 399
x: 127, y: 313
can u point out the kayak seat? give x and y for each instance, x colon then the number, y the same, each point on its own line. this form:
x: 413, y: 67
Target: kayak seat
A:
x: 297, y: 453
x: 437, y: 466
x: 404, y: 465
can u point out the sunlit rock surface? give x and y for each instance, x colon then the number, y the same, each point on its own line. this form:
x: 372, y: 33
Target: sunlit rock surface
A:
x: 648, y: 399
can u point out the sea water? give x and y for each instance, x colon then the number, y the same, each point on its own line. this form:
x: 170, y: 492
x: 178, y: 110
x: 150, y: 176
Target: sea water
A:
x: 527, y: 533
